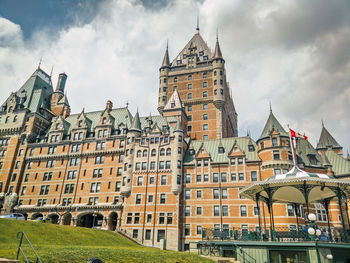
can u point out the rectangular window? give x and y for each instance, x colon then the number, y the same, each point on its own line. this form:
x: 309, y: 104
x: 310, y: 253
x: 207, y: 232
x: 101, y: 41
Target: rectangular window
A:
x: 215, y: 177
x: 162, y: 199
x: 224, y: 193
x: 117, y: 186
x: 199, y: 210
x: 240, y: 160
x: 139, y: 180
x: 199, y: 194
x: 253, y: 176
x: 163, y: 180
x: 187, y: 194
x: 224, y: 210
x: 223, y: 177
x: 97, y: 173
x: 148, y: 234
x: 187, y: 210
x: 243, y: 209
x: 206, y: 177
x: 138, y: 199
x: 150, y: 199
x: 276, y: 155
x: 241, y: 176
x: 233, y: 177
x: 135, y: 233
x: 187, y: 229
x: 187, y: 178
x: 160, y: 235
x: 216, y: 210
x: 167, y: 164
x: 216, y: 193
x: 290, y: 210
x: 274, y: 142
x: 199, y: 230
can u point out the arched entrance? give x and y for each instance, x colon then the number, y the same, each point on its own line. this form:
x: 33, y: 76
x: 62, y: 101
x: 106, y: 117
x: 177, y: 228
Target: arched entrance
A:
x: 36, y: 215
x: 92, y: 220
x: 25, y: 216
x: 53, y: 218
x: 112, y: 221
x: 66, y: 219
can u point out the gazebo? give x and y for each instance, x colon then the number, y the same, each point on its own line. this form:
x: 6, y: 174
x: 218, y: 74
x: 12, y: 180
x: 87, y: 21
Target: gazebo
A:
x: 299, y: 187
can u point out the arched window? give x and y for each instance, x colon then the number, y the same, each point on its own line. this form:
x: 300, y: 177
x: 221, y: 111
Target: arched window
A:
x: 57, y: 126
x: 80, y: 123
x: 153, y: 153
x: 144, y: 153
x: 162, y: 152
x: 15, y: 118
x: 139, y: 153
x: 168, y: 151
x: 104, y: 120
x: 7, y: 119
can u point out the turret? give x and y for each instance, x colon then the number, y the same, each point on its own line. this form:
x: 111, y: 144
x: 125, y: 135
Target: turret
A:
x: 61, y: 82
x: 219, y: 79
x: 133, y: 133
x: 163, y: 81
x: 176, y: 164
x: 327, y: 141
x: 274, y: 148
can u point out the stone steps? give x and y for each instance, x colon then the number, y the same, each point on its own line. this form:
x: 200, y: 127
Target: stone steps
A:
x: 5, y: 260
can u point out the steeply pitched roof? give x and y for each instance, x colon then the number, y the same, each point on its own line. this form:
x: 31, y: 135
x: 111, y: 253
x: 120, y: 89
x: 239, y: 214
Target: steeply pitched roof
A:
x: 178, y: 127
x: 217, y: 52
x: 340, y: 165
x: 64, y: 100
x: 211, y: 146
x: 174, y: 102
x: 272, y: 124
x: 166, y: 61
x: 326, y: 140
x: 306, y: 152
x: 198, y: 42
x: 136, y: 124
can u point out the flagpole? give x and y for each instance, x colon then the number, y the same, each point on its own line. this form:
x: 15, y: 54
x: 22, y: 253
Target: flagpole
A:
x: 292, y: 146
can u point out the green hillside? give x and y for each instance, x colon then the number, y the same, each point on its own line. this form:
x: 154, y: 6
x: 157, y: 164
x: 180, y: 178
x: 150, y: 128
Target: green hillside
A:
x: 60, y: 244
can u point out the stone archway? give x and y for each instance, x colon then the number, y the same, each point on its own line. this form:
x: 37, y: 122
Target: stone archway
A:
x: 66, y: 219
x: 90, y: 220
x: 36, y: 215
x: 112, y: 221
x: 53, y: 218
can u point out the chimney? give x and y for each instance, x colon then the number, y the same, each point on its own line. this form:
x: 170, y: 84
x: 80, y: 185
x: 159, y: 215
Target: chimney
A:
x: 61, y: 83
x: 109, y: 106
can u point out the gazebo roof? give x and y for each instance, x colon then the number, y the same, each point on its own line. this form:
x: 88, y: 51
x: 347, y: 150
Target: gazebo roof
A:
x: 295, y: 172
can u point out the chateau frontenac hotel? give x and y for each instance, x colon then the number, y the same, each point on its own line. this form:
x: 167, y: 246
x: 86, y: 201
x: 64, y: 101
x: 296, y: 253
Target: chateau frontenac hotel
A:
x: 154, y: 178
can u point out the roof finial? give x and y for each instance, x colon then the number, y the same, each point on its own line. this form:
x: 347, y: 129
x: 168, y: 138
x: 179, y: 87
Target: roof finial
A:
x: 167, y: 42
x: 270, y: 107
x: 217, y: 34
x: 322, y: 123
x: 197, y: 24
x: 127, y: 104
x: 41, y: 59
x: 51, y: 71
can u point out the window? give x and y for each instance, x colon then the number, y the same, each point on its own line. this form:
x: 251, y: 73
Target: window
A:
x: 215, y: 177
x: 161, y: 218
x: 216, y: 210
x: 187, y: 210
x: 162, y: 199
x: 137, y: 218
x: 240, y: 160
x: 189, y: 77
x: 187, y: 178
x: 223, y: 177
x: 205, y: 127
x: 205, y: 116
x: 47, y: 176
x: 253, y: 176
x: 189, y: 86
x: 199, y: 194
x: 129, y: 218
x: 144, y: 165
x: 251, y: 148
x: 205, y: 137
x: 139, y: 180
x: 13, y: 177
x: 153, y: 152
x: 160, y: 235
x: 205, y: 94
x: 224, y: 193
x: 52, y: 150
x: 23, y: 192
x: 187, y: 229
x: 117, y: 186
x: 150, y: 199
x: 135, y: 233
x: 99, y: 159
x: 151, y: 180
x: 276, y: 155
x: 97, y: 173
x: 152, y: 165
x: 169, y: 218
x: 290, y: 210
x: 138, y: 199
x: 241, y: 176
x: 175, y: 79
x: 256, y: 210
x: 119, y: 171
x: 163, y: 180
x: 243, y: 209
x: 199, y: 230
x: 205, y: 84
x: 179, y: 164
x: 100, y: 145
x: 50, y: 163
x: 277, y: 171
x: 148, y: 234
x: 74, y: 161
x: 189, y: 96
x: 149, y: 218
x: 161, y: 165
x: 215, y: 82
x: 224, y: 210
x: 168, y: 151
x: 206, y: 177
x: 199, y: 210
x: 137, y: 166
x: 189, y: 108
x: 187, y: 194
x: 26, y: 178
x: 174, y: 88
x: 216, y: 193
x: 205, y: 106
x: 221, y: 149
x: 199, y: 178
x: 95, y: 187
x: 274, y: 142
x: 204, y: 75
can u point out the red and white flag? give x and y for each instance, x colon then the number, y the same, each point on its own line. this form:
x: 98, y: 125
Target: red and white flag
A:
x: 297, y: 135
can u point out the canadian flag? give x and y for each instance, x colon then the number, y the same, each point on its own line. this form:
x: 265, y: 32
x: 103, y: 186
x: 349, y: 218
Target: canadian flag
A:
x: 297, y: 135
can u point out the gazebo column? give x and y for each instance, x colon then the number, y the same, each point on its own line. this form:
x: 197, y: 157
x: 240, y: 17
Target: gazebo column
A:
x: 339, y: 196
x: 326, y: 207
x: 258, y: 207
x: 347, y: 211
x: 306, y: 196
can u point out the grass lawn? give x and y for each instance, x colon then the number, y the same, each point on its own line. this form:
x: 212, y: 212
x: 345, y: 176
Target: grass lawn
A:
x: 60, y: 244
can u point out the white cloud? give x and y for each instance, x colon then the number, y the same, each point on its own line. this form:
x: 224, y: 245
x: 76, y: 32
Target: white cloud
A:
x: 274, y: 52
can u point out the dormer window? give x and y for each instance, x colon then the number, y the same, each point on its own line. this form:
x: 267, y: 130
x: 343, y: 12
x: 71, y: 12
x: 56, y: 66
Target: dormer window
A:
x: 312, y: 159
x: 221, y: 149
x: 80, y: 123
x: 184, y: 56
x: 205, y: 57
x: 274, y: 142
x: 10, y: 109
x: 192, y: 151
x: 251, y: 148
x: 57, y: 126
x: 201, y: 53
x: 15, y: 118
x: 104, y: 120
x: 178, y: 62
x: 172, y: 105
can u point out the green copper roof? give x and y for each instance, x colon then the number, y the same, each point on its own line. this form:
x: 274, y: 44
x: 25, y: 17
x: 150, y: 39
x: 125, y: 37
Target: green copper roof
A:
x: 306, y: 152
x: 326, y: 140
x: 272, y: 124
x: 136, y: 124
x: 212, y: 146
x: 340, y: 165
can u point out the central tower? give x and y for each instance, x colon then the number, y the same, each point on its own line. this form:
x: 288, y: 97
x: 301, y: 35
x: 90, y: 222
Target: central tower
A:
x: 199, y: 76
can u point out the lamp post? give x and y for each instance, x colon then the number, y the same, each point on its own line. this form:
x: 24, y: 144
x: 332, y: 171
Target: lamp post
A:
x: 314, y: 233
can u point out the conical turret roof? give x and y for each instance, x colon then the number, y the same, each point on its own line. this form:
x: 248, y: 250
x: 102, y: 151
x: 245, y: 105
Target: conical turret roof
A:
x: 166, y: 60
x: 217, y: 52
x: 272, y: 124
x: 326, y: 140
x: 136, y: 124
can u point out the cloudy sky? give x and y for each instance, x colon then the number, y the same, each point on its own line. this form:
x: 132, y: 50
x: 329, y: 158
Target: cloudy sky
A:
x: 295, y: 54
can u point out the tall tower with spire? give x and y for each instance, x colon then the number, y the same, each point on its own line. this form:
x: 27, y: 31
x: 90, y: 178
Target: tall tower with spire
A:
x: 198, y: 75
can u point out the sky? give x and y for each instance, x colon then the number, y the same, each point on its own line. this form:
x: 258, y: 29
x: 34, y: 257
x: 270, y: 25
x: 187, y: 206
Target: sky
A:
x: 294, y: 54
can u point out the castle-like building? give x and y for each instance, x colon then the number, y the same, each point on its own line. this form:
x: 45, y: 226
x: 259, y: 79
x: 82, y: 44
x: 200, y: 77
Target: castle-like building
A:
x: 153, y: 178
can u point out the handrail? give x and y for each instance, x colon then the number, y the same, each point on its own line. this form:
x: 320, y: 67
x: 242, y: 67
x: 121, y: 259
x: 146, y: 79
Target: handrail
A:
x: 20, y: 236
x: 244, y: 254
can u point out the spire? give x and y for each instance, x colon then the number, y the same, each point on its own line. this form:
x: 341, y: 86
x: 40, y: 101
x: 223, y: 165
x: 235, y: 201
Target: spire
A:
x: 270, y: 107
x: 272, y: 124
x: 41, y: 59
x: 166, y: 61
x: 326, y: 140
x: 197, y: 28
x: 217, y: 52
x: 136, y: 124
